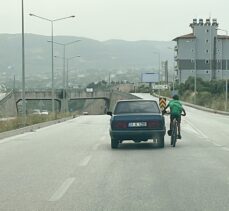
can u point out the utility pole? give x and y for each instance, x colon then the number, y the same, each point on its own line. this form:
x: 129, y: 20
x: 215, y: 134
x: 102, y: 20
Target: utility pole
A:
x: 23, y: 69
x: 226, y: 95
x: 166, y: 72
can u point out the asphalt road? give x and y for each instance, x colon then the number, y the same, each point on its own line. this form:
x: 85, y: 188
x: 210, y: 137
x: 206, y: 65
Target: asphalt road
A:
x: 70, y: 166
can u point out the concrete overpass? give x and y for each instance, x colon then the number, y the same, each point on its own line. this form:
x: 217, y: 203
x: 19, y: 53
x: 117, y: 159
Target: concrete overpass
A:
x: 10, y: 104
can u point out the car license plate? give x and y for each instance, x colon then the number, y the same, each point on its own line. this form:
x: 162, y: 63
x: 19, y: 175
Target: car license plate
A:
x: 137, y: 124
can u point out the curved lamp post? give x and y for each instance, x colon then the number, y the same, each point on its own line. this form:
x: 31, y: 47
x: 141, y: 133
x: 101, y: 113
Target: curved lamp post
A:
x: 68, y: 59
x: 64, y: 72
x: 52, y: 21
x: 66, y: 87
x: 64, y: 56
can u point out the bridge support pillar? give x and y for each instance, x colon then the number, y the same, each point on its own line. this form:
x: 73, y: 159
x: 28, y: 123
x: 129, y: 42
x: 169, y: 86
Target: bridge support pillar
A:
x: 64, y: 105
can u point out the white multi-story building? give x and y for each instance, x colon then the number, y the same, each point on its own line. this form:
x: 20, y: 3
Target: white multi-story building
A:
x: 203, y: 53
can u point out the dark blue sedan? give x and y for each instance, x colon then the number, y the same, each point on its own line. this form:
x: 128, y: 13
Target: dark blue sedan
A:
x: 137, y: 120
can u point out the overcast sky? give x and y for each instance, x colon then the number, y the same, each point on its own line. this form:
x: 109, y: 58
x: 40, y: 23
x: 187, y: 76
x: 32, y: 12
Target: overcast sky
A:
x: 160, y: 20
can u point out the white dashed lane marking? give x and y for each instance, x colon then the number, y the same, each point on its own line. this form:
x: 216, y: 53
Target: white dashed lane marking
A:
x: 62, y: 189
x: 85, y: 161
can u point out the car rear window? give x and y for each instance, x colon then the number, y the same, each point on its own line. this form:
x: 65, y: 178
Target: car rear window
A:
x: 136, y: 107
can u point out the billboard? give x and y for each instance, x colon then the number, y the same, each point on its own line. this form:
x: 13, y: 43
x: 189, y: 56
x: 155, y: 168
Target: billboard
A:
x: 150, y: 77
x: 89, y: 90
x: 160, y: 86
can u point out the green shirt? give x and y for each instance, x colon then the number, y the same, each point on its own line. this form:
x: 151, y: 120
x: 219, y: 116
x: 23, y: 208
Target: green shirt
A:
x: 175, y: 107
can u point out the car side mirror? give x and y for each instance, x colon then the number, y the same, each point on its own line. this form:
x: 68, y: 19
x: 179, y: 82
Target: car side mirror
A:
x: 109, y: 113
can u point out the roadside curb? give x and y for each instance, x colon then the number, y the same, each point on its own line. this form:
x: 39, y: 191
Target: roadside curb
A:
x: 206, y: 109
x: 200, y: 107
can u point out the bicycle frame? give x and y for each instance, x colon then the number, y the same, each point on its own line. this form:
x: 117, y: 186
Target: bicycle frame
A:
x: 174, y: 132
x: 174, y: 128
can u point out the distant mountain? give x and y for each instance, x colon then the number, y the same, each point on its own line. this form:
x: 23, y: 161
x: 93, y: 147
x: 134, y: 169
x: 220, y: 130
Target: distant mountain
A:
x: 107, y: 56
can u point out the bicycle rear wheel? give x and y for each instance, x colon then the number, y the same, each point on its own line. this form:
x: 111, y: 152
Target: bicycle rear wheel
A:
x: 174, y: 133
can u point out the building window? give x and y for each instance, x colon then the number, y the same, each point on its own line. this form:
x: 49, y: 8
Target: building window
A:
x: 207, y: 51
x: 206, y: 71
x: 207, y: 30
x: 207, y: 61
x: 192, y: 60
x: 206, y: 41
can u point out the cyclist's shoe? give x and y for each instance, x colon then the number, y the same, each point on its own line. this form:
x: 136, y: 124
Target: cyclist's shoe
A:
x: 169, y: 132
x: 178, y: 136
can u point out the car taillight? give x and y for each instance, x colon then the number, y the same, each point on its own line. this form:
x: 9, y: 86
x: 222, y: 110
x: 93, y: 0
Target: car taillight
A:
x: 120, y: 124
x: 154, y: 124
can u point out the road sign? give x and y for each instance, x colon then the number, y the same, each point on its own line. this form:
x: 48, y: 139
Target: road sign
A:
x: 162, y: 102
x: 89, y: 90
x: 160, y: 86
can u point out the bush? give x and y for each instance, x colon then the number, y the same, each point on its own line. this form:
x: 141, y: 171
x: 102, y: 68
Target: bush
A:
x: 203, y: 99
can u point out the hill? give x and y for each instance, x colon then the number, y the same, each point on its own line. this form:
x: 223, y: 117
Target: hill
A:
x: 97, y: 58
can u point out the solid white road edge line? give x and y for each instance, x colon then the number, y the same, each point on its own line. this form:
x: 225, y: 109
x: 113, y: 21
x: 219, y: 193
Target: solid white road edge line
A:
x: 196, y: 129
x: 62, y: 189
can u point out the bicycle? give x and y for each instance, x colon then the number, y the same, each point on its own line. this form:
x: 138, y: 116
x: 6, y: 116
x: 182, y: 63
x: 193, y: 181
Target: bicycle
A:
x: 174, y: 129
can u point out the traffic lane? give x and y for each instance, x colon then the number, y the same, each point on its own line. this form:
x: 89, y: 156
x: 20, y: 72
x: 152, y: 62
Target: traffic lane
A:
x: 211, y: 124
x: 100, y: 172
x: 191, y: 176
x: 213, y: 127
x: 34, y: 164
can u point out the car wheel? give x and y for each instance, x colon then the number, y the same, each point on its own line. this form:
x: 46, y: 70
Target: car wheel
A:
x: 114, y: 143
x: 161, y: 143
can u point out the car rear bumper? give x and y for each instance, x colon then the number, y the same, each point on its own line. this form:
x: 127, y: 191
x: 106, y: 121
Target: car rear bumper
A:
x: 136, y: 135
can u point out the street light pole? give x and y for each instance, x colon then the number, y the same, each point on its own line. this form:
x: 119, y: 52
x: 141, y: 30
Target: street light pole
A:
x: 64, y: 72
x: 53, y: 102
x: 65, y: 82
x: 173, y: 66
x: 226, y: 95
x: 159, y: 69
x: 195, y: 71
x: 23, y: 68
x: 64, y: 57
x: 52, y: 21
x: 68, y: 59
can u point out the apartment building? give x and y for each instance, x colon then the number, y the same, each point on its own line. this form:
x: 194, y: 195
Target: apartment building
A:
x: 203, y: 53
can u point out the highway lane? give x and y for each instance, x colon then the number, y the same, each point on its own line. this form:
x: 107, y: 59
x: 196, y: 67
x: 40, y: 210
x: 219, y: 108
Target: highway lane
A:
x: 70, y: 166
x: 211, y: 127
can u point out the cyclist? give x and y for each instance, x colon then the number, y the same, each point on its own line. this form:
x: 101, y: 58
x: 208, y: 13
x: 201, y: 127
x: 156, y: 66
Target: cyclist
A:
x: 176, y: 109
